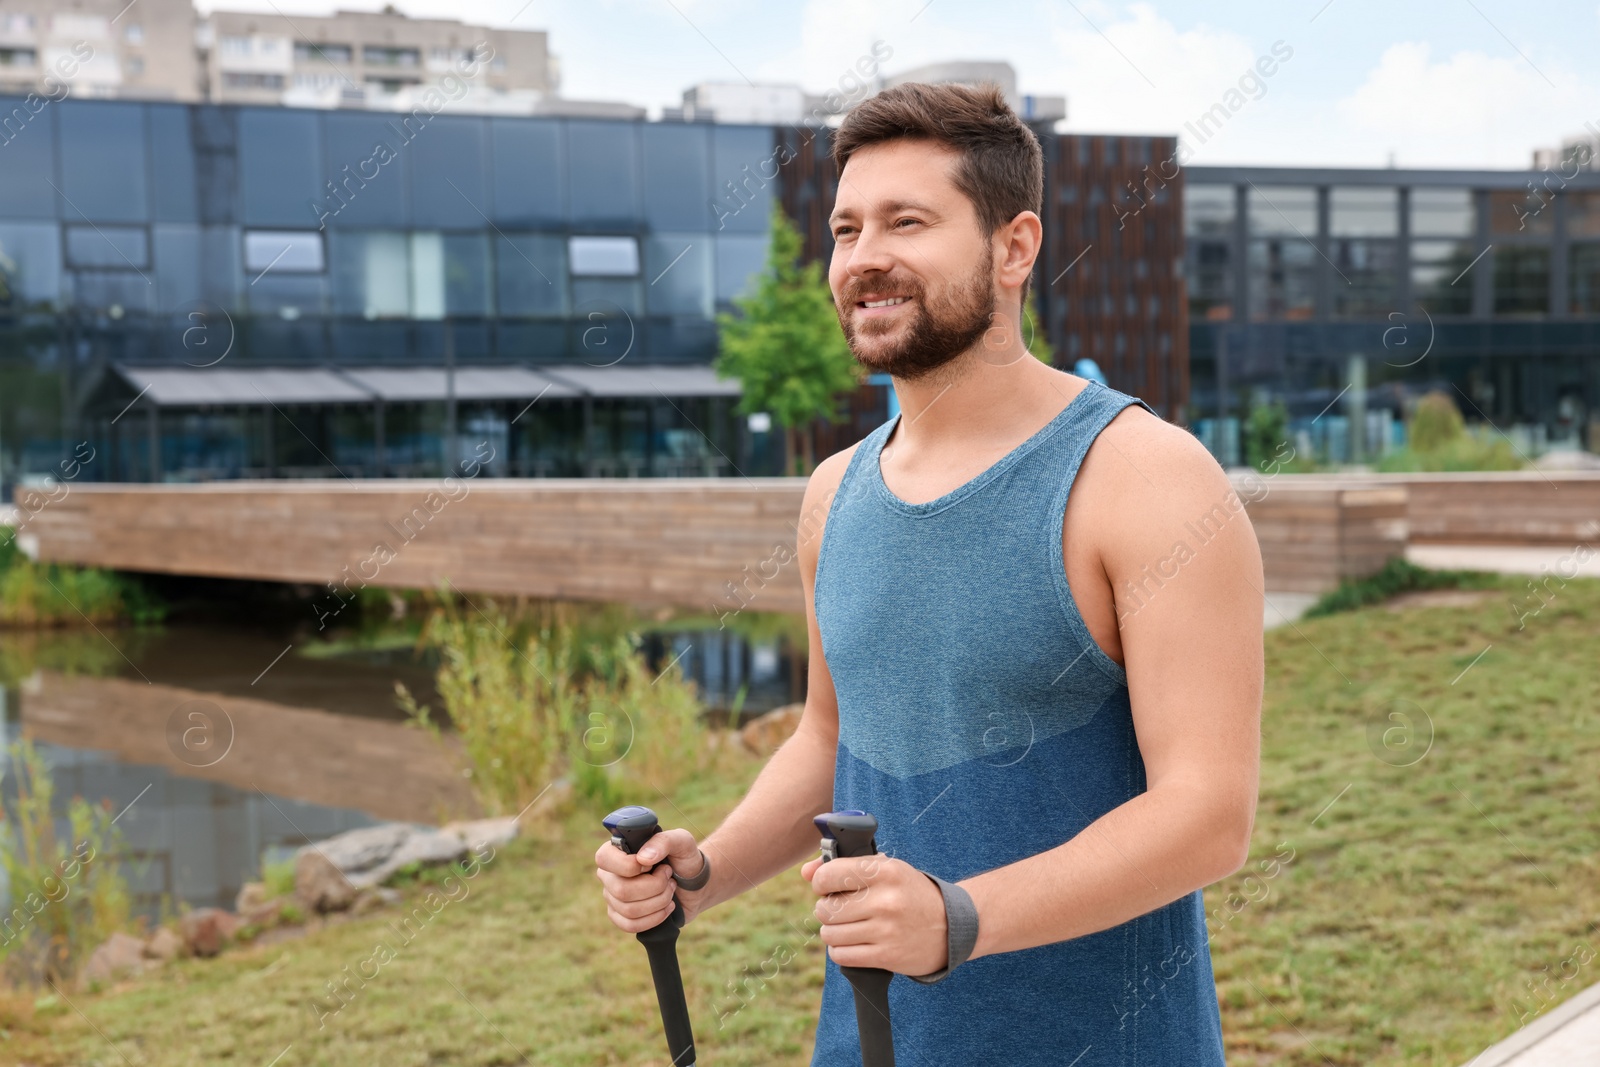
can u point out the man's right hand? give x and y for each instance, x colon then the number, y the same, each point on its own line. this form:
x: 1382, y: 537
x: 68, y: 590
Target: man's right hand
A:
x: 638, y: 898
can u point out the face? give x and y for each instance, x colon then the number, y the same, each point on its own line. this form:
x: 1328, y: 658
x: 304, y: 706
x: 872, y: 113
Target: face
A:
x: 912, y: 276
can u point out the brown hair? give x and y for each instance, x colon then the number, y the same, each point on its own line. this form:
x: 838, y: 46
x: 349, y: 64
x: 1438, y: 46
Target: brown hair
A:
x: 1002, y: 166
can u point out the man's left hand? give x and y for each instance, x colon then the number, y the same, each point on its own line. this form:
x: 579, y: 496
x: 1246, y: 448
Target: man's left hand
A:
x: 877, y: 911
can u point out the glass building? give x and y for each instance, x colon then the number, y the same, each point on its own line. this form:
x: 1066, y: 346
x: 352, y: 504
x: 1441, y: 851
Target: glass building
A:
x: 200, y: 291
x: 1348, y: 292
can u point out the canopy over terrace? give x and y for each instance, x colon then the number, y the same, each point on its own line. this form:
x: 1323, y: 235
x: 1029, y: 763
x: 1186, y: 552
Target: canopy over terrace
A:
x: 198, y: 423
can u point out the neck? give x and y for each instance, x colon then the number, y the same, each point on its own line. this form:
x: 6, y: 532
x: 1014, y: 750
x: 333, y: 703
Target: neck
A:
x: 984, y: 388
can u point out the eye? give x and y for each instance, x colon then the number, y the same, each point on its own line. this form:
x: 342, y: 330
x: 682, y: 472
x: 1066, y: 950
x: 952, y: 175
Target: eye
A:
x: 900, y: 223
x: 841, y: 231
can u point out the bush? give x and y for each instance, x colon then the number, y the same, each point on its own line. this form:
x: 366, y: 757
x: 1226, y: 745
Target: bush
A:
x: 66, y: 897
x: 1397, y: 576
x: 50, y: 594
x: 1438, y: 440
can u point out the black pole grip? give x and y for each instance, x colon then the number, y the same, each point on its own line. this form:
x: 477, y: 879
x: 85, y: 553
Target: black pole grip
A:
x: 630, y: 828
x: 848, y: 834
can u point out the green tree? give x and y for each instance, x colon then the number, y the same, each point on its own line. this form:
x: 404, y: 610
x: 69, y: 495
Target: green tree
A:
x: 785, y: 346
x: 1266, y: 429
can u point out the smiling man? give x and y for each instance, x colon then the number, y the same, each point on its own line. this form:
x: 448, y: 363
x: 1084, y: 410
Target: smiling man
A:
x: 1060, y: 749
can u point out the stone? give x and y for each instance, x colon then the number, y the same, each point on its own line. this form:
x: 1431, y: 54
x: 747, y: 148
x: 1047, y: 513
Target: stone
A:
x: 763, y: 735
x: 206, y: 931
x: 374, y: 897
x: 475, y: 833
x: 265, y: 915
x: 164, y: 944
x: 120, y: 956
x: 319, y: 884
x: 252, y: 895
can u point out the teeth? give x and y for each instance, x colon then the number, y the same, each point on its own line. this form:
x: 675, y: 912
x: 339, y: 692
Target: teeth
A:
x: 893, y: 300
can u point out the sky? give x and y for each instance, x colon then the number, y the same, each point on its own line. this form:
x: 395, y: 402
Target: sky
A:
x: 1408, y: 83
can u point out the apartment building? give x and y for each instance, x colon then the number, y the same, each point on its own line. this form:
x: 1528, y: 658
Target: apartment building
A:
x: 99, y: 48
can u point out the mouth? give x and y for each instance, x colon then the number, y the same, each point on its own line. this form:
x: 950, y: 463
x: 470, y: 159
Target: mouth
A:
x: 880, y: 305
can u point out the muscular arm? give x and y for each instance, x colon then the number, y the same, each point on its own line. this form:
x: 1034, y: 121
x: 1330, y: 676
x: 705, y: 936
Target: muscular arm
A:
x: 771, y: 829
x: 1192, y: 649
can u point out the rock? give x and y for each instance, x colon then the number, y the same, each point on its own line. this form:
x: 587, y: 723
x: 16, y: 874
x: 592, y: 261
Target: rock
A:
x: 475, y: 833
x: 375, y: 897
x: 318, y: 884
x: 120, y: 956
x: 266, y: 915
x: 164, y: 944
x: 763, y: 735
x: 206, y: 931
x: 252, y: 895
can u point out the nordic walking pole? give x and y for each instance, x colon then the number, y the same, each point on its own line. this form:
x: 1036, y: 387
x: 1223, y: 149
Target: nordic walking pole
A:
x: 844, y: 834
x: 630, y: 828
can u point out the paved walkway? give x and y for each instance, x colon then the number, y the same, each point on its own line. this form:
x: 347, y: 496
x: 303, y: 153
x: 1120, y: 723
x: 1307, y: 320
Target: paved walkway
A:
x: 1568, y: 1036
x: 1569, y: 562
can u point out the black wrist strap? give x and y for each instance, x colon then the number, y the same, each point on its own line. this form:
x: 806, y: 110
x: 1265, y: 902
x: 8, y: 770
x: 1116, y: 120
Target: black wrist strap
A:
x: 698, y: 881
x: 961, y: 918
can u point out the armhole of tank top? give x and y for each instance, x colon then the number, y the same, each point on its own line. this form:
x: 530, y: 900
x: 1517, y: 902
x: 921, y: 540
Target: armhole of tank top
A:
x: 851, y: 470
x: 1112, y: 405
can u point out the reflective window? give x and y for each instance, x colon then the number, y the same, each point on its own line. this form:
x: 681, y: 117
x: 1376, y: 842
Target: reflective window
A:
x: 678, y: 270
x: 531, y: 274
x: 1521, y: 211
x: 280, y: 167
x: 1208, y: 211
x: 612, y: 257
x: 1365, y: 278
x: 1521, y: 280
x: 677, y: 185
x: 739, y: 259
x: 1283, y: 211
x: 102, y: 161
x: 744, y: 169
x: 1282, y: 279
x: 115, y: 292
x: 28, y: 138
x: 528, y: 172
x: 1443, y: 213
x: 603, y: 172
x: 1210, y: 271
x: 289, y: 296
x: 365, y: 182
x: 371, y: 274
x: 449, y: 275
x: 1364, y: 212
x: 1583, y: 280
x: 282, y: 251
x: 449, y: 186
x: 118, y: 247
x: 1583, y: 214
x: 173, y: 193
x: 30, y: 266
x: 221, y: 265
x: 1437, y: 281
x: 177, y: 269
x: 605, y: 296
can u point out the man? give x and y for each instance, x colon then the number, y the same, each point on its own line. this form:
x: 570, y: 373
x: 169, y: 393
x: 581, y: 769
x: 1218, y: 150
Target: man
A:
x: 1050, y: 702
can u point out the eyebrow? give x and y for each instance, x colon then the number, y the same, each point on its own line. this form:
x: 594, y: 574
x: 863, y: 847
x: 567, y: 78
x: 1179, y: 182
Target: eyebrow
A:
x: 887, y: 208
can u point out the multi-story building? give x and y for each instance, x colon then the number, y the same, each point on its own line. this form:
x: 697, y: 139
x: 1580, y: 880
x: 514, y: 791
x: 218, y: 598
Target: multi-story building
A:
x: 371, y: 59
x: 1349, y: 291
x: 99, y: 48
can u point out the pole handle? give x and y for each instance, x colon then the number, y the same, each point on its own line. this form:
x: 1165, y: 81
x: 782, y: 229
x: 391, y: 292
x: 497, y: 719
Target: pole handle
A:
x: 847, y: 834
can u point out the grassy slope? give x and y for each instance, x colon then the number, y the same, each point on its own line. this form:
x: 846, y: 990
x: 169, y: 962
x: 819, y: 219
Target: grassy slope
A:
x: 1413, y: 913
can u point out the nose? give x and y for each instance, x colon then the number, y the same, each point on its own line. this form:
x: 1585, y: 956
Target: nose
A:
x: 872, y: 252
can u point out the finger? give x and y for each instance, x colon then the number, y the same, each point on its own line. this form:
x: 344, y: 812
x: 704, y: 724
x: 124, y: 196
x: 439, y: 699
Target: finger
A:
x: 845, y: 907
x: 845, y: 875
x: 853, y: 933
x: 669, y: 845
x: 638, y: 887
x: 641, y: 907
x: 809, y: 868
x: 609, y: 857
x: 634, y: 926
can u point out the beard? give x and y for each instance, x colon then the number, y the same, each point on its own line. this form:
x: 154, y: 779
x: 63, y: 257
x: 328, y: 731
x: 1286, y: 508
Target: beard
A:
x: 934, y: 336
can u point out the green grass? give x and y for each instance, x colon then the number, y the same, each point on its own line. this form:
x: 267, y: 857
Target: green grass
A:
x: 51, y: 594
x: 1397, y: 576
x: 1422, y: 897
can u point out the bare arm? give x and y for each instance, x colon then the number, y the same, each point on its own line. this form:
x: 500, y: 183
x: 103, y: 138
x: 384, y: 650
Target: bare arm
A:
x: 1193, y: 654
x: 771, y: 829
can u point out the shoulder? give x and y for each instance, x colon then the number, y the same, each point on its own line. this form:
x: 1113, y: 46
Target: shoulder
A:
x: 821, y: 489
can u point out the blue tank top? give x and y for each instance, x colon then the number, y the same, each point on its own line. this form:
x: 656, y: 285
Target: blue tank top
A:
x: 981, y: 724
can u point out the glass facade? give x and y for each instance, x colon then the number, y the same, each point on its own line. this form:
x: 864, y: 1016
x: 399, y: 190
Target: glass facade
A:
x: 286, y: 237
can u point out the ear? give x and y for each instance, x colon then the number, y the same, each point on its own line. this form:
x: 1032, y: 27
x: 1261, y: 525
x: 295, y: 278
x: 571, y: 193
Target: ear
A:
x: 1016, y: 246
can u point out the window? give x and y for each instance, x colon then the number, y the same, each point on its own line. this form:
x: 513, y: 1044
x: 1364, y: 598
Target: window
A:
x: 449, y: 187
x: 134, y: 34
x: 371, y: 274
x: 740, y: 257
x: 282, y: 251
x: 233, y: 79
x: 528, y: 164
x: 1210, y: 279
x: 117, y: 247
x: 678, y: 274
x: 605, y: 296
x: 1367, y: 274
x: 1208, y: 211
x: 1436, y: 276
x: 1443, y: 213
x: 368, y: 172
x: 607, y: 257
x: 235, y: 46
x: 1521, y: 211
x: 677, y: 180
x: 1584, y: 278
x: 383, y: 56
x: 1583, y: 214
x: 1282, y: 278
x: 449, y: 275
x: 135, y: 66
x: 320, y: 82
x: 13, y: 25
x: 172, y: 178
x: 1277, y: 211
x: 1364, y: 213
x: 307, y: 52
x: 18, y: 57
x: 743, y: 178
x: 280, y: 167
x: 531, y: 274
x: 30, y: 267
x: 1521, y: 280
x: 103, y: 162
x: 604, y: 183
